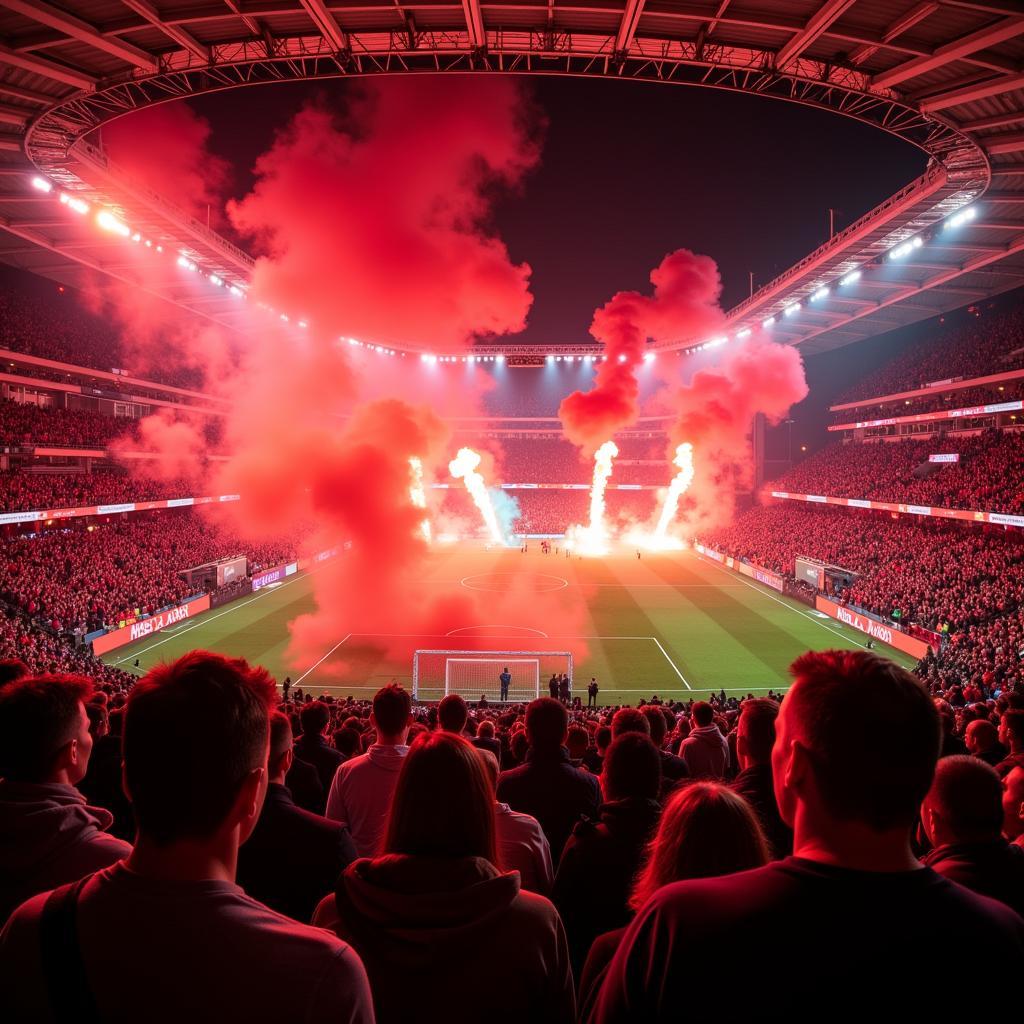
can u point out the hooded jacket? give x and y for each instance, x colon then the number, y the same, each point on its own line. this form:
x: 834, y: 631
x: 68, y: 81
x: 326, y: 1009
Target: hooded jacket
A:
x: 360, y: 794
x: 993, y: 867
x: 596, y: 872
x: 705, y: 752
x: 49, y: 836
x: 453, y: 939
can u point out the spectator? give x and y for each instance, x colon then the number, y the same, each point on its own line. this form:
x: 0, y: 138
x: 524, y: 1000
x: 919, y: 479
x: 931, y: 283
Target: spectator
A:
x: 963, y: 819
x: 630, y: 720
x: 548, y: 786
x: 361, y: 791
x: 197, y: 783
x: 522, y: 845
x: 1011, y: 736
x: 48, y: 834
x: 1013, y: 806
x: 452, y: 714
x: 673, y: 767
x: 705, y: 750
x: 755, y: 737
x: 982, y: 740
x: 706, y: 830
x: 486, y: 740
x: 594, y: 758
x: 292, y: 857
x: 12, y: 669
x: 433, y: 917
x: 596, y: 870
x: 312, y: 746
x: 855, y: 750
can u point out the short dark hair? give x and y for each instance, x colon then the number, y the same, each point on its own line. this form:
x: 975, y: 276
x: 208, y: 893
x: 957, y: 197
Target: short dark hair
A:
x: 872, y: 731
x: 603, y: 736
x: 194, y: 729
x: 38, y: 716
x: 347, y: 740
x: 632, y: 768
x: 391, y: 709
x: 12, y: 669
x: 968, y: 794
x: 452, y: 713
x: 630, y: 720
x: 703, y: 713
x: 314, y: 718
x: 758, y: 717
x: 547, y: 723
x: 656, y: 720
x: 1013, y: 719
x: 280, y: 736
x: 486, y: 729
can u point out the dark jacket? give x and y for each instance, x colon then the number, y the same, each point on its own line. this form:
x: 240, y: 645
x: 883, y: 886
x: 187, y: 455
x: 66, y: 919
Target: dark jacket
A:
x: 994, y: 868
x: 303, y: 782
x: 453, y: 940
x: 293, y: 858
x: 596, y: 872
x: 102, y: 786
x: 755, y: 784
x: 321, y: 755
x: 490, y: 743
x: 551, y: 788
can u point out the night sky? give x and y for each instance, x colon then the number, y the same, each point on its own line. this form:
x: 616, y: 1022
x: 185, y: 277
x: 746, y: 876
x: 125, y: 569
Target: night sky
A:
x: 631, y: 171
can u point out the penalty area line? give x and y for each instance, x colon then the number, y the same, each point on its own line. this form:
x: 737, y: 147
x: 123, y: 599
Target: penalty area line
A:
x: 322, y: 660
x: 675, y: 668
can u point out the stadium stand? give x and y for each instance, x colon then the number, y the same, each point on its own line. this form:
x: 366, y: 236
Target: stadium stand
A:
x: 986, y: 476
x: 991, y: 342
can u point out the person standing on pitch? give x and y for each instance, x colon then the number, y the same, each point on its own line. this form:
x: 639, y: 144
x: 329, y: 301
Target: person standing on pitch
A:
x: 592, y: 693
x: 505, y: 679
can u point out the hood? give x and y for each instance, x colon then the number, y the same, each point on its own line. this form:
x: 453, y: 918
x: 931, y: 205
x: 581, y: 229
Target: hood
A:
x: 386, y: 756
x: 633, y: 816
x: 707, y: 734
x: 38, y: 820
x: 400, y: 907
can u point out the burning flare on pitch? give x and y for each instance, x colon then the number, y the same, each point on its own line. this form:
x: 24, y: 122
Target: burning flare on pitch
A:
x: 463, y: 467
x: 593, y: 538
x: 417, y: 494
x: 660, y: 540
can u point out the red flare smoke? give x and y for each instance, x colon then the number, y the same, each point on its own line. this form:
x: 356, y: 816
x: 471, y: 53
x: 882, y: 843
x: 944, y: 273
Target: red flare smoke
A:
x: 684, y: 304
x: 375, y: 223
x: 167, y: 148
x: 715, y: 413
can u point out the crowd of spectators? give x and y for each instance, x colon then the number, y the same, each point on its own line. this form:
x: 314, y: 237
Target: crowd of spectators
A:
x: 41, y: 318
x: 504, y: 863
x: 941, y: 401
x: 82, y: 578
x: 987, y: 477
x: 991, y: 341
x: 25, y: 491
x: 29, y: 424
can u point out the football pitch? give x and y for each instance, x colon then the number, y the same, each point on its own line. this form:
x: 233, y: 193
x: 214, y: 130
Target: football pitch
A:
x: 674, y: 624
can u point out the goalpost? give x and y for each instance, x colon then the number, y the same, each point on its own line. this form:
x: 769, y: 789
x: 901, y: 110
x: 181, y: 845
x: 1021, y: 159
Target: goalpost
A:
x: 476, y: 674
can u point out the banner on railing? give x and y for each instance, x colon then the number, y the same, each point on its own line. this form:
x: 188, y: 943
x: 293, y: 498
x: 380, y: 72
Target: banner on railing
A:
x: 871, y: 627
x: 42, y: 515
x: 154, y: 624
x: 933, y: 417
x: 947, y: 457
x: 997, y: 518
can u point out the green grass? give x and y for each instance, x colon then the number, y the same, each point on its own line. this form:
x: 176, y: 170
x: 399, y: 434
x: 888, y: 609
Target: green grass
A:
x: 667, y: 624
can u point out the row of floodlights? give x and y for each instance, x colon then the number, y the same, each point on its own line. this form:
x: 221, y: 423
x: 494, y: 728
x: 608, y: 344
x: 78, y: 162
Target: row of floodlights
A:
x: 898, y: 252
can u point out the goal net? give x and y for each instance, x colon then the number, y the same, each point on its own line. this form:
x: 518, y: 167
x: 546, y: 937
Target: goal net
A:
x: 476, y: 674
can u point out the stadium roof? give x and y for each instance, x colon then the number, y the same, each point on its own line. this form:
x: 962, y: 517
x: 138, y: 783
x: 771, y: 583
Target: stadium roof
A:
x: 946, y: 75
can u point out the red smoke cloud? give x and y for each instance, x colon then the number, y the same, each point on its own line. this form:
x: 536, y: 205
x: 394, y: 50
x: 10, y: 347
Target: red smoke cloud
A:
x: 179, y: 447
x: 715, y: 413
x: 167, y: 148
x: 684, y: 304
x: 374, y: 222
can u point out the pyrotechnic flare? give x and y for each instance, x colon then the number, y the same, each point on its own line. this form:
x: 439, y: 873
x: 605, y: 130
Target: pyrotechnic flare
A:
x: 660, y: 540
x: 417, y: 494
x: 463, y: 467
x: 593, y: 539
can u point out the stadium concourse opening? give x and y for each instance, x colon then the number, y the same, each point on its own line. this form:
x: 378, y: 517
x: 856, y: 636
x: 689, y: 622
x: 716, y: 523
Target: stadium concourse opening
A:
x: 488, y: 537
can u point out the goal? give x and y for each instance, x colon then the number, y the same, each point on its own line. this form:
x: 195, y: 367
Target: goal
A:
x: 476, y: 674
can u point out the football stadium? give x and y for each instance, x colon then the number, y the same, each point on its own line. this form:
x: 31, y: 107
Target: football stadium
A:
x: 508, y: 509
